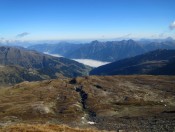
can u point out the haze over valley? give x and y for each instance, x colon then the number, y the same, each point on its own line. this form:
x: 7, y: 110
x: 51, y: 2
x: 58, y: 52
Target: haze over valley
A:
x: 89, y: 62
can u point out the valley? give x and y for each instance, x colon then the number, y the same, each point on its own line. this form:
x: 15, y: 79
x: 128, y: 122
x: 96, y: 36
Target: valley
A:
x: 92, y: 63
x: 88, y: 62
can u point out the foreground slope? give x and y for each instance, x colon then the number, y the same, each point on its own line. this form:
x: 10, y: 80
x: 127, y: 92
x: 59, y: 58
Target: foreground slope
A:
x: 41, y: 65
x: 131, y: 103
x: 158, y: 62
x: 43, y: 128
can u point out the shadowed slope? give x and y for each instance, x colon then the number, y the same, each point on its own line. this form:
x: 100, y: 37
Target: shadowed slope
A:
x: 158, y: 62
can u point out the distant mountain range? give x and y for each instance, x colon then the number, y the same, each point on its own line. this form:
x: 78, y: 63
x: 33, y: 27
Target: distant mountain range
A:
x: 19, y: 64
x: 158, y: 62
x: 109, y: 51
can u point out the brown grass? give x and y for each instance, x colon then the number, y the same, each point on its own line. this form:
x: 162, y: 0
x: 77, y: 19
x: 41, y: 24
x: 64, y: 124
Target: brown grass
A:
x: 110, y: 97
x: 43, y: 128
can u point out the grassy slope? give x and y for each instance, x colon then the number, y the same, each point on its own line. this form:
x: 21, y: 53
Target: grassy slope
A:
x: 117, y: 102
x: 10, y: 75
x: 43, y: 128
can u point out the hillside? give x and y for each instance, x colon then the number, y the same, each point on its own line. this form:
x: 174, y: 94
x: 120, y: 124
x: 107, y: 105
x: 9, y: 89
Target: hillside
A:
x: 30, y: 65
x: 158, y: 62
x: 10, y: 75
x: 130, y: 103
x: 103, y: 51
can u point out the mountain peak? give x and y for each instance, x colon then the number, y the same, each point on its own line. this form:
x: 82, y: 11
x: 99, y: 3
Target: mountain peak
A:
x: 130, y: 41
x: 95, y: 42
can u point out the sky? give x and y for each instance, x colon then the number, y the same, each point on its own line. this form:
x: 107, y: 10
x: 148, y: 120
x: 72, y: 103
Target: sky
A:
x: 86, y: 19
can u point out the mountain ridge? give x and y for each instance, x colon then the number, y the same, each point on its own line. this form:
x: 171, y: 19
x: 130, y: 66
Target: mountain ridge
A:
x: 108, y: 51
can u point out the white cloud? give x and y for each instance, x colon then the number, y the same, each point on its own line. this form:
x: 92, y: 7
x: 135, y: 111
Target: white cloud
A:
x: 21, y: 35
x: 172, y: 25
x: 126, y: 36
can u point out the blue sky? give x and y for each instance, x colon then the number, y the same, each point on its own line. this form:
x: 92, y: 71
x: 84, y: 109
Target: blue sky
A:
x: 86, y: 19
